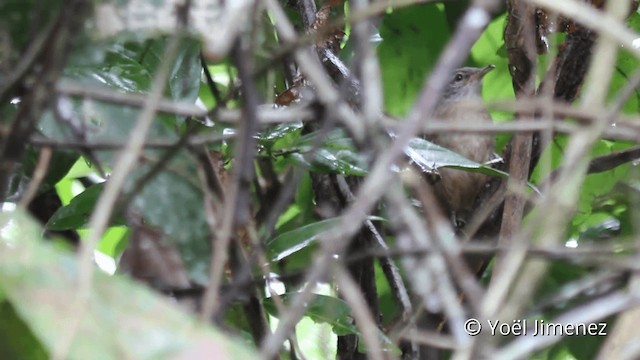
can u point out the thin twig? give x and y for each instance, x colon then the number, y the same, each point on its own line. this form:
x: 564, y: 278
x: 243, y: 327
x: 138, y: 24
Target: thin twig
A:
x: 313, y: 70
x: 34, y: 49
x: 429, y: 274
x: 443, y: 234
x: 364, y: 321
x: 523, y: 65
x: 236, y: 204
x: 559, y: 201
x: 194, y: 141
x: 430, y: 338
x: 220, y: 101
x: 39, y: 174
x: 70, y: 88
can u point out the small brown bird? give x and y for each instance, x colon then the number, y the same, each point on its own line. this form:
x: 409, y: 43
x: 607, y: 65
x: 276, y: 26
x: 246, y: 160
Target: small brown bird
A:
x: 457, y: 189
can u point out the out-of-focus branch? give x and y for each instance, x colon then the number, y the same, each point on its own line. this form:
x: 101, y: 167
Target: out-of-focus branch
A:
x: 519, y: 35
x: 364, y: 320
x: 562, y: 196
x: 589, y: 313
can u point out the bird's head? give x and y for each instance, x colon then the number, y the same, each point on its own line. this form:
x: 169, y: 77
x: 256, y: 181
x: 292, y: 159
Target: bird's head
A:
x: 466, y: 82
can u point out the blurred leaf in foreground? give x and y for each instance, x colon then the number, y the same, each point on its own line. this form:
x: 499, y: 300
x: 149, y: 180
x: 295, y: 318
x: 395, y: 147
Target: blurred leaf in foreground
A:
x: 122, y: 319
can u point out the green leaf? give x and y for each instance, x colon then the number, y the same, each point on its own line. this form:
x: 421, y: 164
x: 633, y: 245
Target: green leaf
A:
x: 626, y: 66
x: 184, y: 78
x: 59, y: 165
x: 334, y: 161
x: 336, y: 313
x: 290, y: 242
x: 389, y: 308
x: 430, y: 157
x: 17, y: 341
x: 280, y: 136
x: 171, y: 201
x: 559, y: 351
x: 20, y: 15
x: 322, y: 309
x: 337, y: 155
x: 413, y: 38
x: 497, y: 83
x: 77, y: 213
x: 114, y: 241
x: 122, y: 319
x: 22, y: 175
x: 295, y: 240
x: 597, y: 187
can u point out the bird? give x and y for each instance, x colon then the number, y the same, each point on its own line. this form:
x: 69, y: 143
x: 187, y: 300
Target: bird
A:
x: 457, y: 189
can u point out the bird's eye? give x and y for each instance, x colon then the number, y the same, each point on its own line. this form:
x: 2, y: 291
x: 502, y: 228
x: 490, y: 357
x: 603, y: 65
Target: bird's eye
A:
x: 458, y: 77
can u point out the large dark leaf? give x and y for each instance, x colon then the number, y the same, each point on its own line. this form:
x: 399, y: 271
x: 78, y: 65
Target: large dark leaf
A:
x: 294, y: 249
x: 173, y: 202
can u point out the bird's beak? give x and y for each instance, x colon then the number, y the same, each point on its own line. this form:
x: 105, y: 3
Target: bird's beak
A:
x: 482, y: 72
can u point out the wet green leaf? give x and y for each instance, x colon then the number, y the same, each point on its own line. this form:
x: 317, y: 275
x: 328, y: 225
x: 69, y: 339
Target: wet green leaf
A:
x: 336, y: 155
x: 122, y: 67
x: 430, y: 157
x: 279, y: 137
x: 173, y: 202
x: 57, y: 167
x: 333, y: 161
x: 295, y: 240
